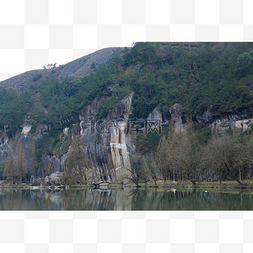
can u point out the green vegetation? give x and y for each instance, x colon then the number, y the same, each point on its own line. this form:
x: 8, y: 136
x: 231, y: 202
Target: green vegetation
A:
x: 199, y: 76
x: 13, y: 109
x: 37, y: 77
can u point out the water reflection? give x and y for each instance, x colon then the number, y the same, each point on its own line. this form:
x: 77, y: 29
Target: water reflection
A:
x: 127, y: 199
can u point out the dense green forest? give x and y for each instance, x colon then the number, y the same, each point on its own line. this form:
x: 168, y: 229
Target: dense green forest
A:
x: 199, y: 76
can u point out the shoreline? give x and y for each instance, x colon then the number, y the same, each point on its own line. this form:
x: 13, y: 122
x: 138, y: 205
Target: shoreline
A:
x: 247, y: 185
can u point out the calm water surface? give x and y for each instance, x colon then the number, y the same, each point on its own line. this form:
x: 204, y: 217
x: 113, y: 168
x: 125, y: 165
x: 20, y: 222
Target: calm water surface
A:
x: 127, y: 199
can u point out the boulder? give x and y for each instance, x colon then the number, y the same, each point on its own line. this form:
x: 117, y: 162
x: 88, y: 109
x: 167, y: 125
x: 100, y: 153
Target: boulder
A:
x: 56, y: 178
x: 46, y: 180
x: 38, y: 182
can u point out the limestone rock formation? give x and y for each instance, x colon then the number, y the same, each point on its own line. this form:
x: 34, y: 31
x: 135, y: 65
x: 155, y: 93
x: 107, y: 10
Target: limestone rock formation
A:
x: 220, y: 122
x: 56, y: 178
x: 105, y: 141
x: 175, y: 112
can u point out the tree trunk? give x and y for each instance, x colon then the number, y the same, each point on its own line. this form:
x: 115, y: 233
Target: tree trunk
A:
x: 233, y: 175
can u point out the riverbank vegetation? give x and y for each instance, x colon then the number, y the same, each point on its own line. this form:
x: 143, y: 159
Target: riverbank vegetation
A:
x: 181, y: 156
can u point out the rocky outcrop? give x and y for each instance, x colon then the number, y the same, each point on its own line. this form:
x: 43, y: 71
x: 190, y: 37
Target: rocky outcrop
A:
x: 223, y: 125
x: 105, y: 140
x: 220, y: 122
x: 118, y: 140
x: 39, y: 182
x: 175, y: 112
x: 55, y: 178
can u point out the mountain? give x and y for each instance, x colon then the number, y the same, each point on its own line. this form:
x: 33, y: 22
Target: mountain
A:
x: 83, y: 119
x: 77, y: 68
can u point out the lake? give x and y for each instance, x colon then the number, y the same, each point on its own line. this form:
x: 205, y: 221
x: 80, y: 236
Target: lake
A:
x: 124, y: 199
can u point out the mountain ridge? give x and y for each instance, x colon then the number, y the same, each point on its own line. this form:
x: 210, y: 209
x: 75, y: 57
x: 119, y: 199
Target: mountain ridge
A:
x: 77, y: 68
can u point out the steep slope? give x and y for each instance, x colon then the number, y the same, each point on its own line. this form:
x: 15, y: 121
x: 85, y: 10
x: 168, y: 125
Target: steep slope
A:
x: 201, y: 81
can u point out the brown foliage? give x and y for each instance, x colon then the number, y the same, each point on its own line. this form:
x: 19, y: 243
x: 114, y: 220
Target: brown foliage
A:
x: 77, y: 165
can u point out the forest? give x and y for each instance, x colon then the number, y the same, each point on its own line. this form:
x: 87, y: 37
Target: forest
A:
x: 200, y: 77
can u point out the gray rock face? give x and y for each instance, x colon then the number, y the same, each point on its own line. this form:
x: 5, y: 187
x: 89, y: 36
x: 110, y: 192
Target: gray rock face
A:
x: 105, y: 142
x: 38, y: 182
x: 223, y: 125
x: 175, y: 112
x: 220, y: 122
x: 56, y: 178
x: 43, y: 128
x: 20, y: 144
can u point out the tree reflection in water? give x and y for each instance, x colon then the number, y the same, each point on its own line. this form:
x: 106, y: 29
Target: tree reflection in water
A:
x: 127, y: 199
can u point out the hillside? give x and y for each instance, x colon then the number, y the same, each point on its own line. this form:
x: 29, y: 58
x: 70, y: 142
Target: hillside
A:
x: 77, y: 68
x: 201, y: 77
x: 54, y: 114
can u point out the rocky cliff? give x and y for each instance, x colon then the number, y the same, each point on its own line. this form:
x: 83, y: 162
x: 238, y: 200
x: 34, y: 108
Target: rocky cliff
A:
x: 105, y: 141
x: 220, y: 122
x: 157, y: 74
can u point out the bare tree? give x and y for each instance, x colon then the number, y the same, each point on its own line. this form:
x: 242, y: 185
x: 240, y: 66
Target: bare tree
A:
x: 136, y: 173
x: 150, y: 163
x: 9, y: 167
x: 162, y: 158
x: 145, y: 168
x: 222, y: 155
x: 187, y: 153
